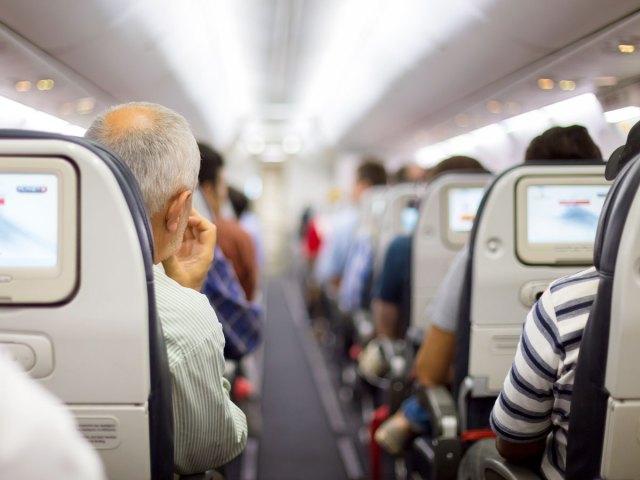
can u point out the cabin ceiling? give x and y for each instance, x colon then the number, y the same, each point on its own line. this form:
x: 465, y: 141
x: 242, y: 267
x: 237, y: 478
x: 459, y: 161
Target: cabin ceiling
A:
x: 377, y: 76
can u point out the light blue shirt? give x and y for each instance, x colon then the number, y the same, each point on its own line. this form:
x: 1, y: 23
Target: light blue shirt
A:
x: 333, y: 253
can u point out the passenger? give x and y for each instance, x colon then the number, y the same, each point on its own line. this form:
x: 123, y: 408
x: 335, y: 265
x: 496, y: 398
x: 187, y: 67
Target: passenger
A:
x: 389, y: 291
x: 333, y: 254
x: 158, y: 146
x: 435, y: 357
x: 249, y: 221
x: 234, y: 241
x: 410, y: 173
x: 38, y: 437
x: 531, y: 415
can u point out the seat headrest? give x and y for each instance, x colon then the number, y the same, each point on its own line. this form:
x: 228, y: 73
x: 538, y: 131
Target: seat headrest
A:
x: 614, y: 215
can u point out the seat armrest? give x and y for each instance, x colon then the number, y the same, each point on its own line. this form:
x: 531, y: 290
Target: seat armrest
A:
x: 442, y: 408
x: 501, y: 469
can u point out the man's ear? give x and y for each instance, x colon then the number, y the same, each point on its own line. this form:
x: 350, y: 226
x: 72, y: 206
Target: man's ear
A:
x: 175, y: 211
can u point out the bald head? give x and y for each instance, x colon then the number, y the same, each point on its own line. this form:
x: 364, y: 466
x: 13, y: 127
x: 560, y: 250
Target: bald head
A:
x: 156, y: 144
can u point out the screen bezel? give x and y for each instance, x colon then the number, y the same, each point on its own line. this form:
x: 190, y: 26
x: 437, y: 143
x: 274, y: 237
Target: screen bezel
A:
x: 451, y: 237
x: 46, y: 285
x: 550, y: 253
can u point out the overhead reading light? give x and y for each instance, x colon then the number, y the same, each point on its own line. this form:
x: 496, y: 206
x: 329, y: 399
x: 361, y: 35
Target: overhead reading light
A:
x: 462, y: 120
x: 626, y: 48
x: 494, y: 106
x: 622, y: 114
x: 513, y: 108
x: 85, y: 105
x: 545, y: 83
x: 567, y: 85
x: 23, y: 86
x: 607, y: 81
x: 45, y: 84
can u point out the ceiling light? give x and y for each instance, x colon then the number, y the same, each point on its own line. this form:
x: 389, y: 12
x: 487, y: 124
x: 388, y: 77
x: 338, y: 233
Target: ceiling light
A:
x: 291, y: 144
x: 606, y: 81
x: 23, y: 86
x: 494, y: 106
x: 513, y: 108
x: 545, y: 83
x: 85, y: 105
x: 462, y: 120
x: 626, y: 48
x: 68, y: 108
x: 622, y: 114
x: 45, y: 84
x: 256, y: 146
x: 567, y: 85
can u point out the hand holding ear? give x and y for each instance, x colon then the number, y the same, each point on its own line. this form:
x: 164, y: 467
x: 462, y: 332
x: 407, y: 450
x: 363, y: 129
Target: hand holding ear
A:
x: 189, y: 266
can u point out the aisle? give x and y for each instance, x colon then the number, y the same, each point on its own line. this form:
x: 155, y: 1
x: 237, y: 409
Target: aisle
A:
x: 298, y: 440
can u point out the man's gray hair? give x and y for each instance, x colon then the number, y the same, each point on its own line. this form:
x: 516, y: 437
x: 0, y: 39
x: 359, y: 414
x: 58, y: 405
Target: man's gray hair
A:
x: 158, y: 147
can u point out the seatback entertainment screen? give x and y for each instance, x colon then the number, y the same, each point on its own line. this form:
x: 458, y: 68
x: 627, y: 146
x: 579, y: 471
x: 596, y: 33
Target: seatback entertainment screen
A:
x: 463, y: 206
x: 557, y: 218
x: 28, y: 220
x: 564, y: 213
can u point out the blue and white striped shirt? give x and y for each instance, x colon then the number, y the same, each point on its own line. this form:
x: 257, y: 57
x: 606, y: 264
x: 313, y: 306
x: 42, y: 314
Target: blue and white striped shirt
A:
x: 535, y: 400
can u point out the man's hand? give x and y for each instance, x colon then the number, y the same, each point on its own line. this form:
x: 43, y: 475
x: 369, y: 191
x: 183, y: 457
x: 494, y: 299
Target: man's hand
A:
x: 189, y: 266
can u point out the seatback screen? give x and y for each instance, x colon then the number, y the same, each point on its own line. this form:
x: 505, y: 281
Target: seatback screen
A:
x: 463, y: 206
x: 28, y: 220
x: 409, y: 216
x: 564, y: 214
x: 557, y: 218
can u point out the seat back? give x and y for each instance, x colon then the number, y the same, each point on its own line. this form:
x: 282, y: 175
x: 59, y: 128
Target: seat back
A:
x: 97, y: 345
x: 605, y: 405
x: 536, y: 223
x: 400, y: 217
x: 445, y: 218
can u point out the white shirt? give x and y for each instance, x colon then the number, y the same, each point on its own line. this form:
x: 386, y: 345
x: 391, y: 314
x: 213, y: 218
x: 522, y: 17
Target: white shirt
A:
x: 38, y: 436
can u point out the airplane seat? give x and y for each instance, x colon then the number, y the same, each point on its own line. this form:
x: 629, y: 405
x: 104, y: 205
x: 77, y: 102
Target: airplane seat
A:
x: 399, y: 217
x: 519, y: 244
x: 605, y: 404
x: 447, y: 210
x: 77, y: 305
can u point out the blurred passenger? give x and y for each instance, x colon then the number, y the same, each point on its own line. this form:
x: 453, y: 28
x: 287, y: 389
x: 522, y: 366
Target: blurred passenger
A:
x: 38, y: 435
x: 333, y: 254
x: 234, y: 241
x: 410, y: 173
x: 563, y: 143
x: 392, y: 284
x: 241, y: 319
x: 434, y: 360
x: 158, y: 146
x: 249, y: 221
x: 531, y: 415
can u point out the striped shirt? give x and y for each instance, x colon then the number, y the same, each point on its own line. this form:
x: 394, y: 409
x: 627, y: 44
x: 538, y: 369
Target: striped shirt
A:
x: 535, y: 400
x: 209, y: 430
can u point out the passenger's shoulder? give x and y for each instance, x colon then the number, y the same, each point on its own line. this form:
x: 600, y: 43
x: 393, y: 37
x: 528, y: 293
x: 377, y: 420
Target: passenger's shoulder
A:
x: 585, y: 282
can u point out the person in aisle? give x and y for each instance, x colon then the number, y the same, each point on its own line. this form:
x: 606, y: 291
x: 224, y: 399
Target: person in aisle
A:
x: 234, y: 241
x: 332, y: 257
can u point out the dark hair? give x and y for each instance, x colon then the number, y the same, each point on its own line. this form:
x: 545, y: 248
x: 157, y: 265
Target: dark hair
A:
x: 563, y: 143
x: 458, y: 162
x: 372, y: 172
x: 239, y: 201
x: 211, y: 162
